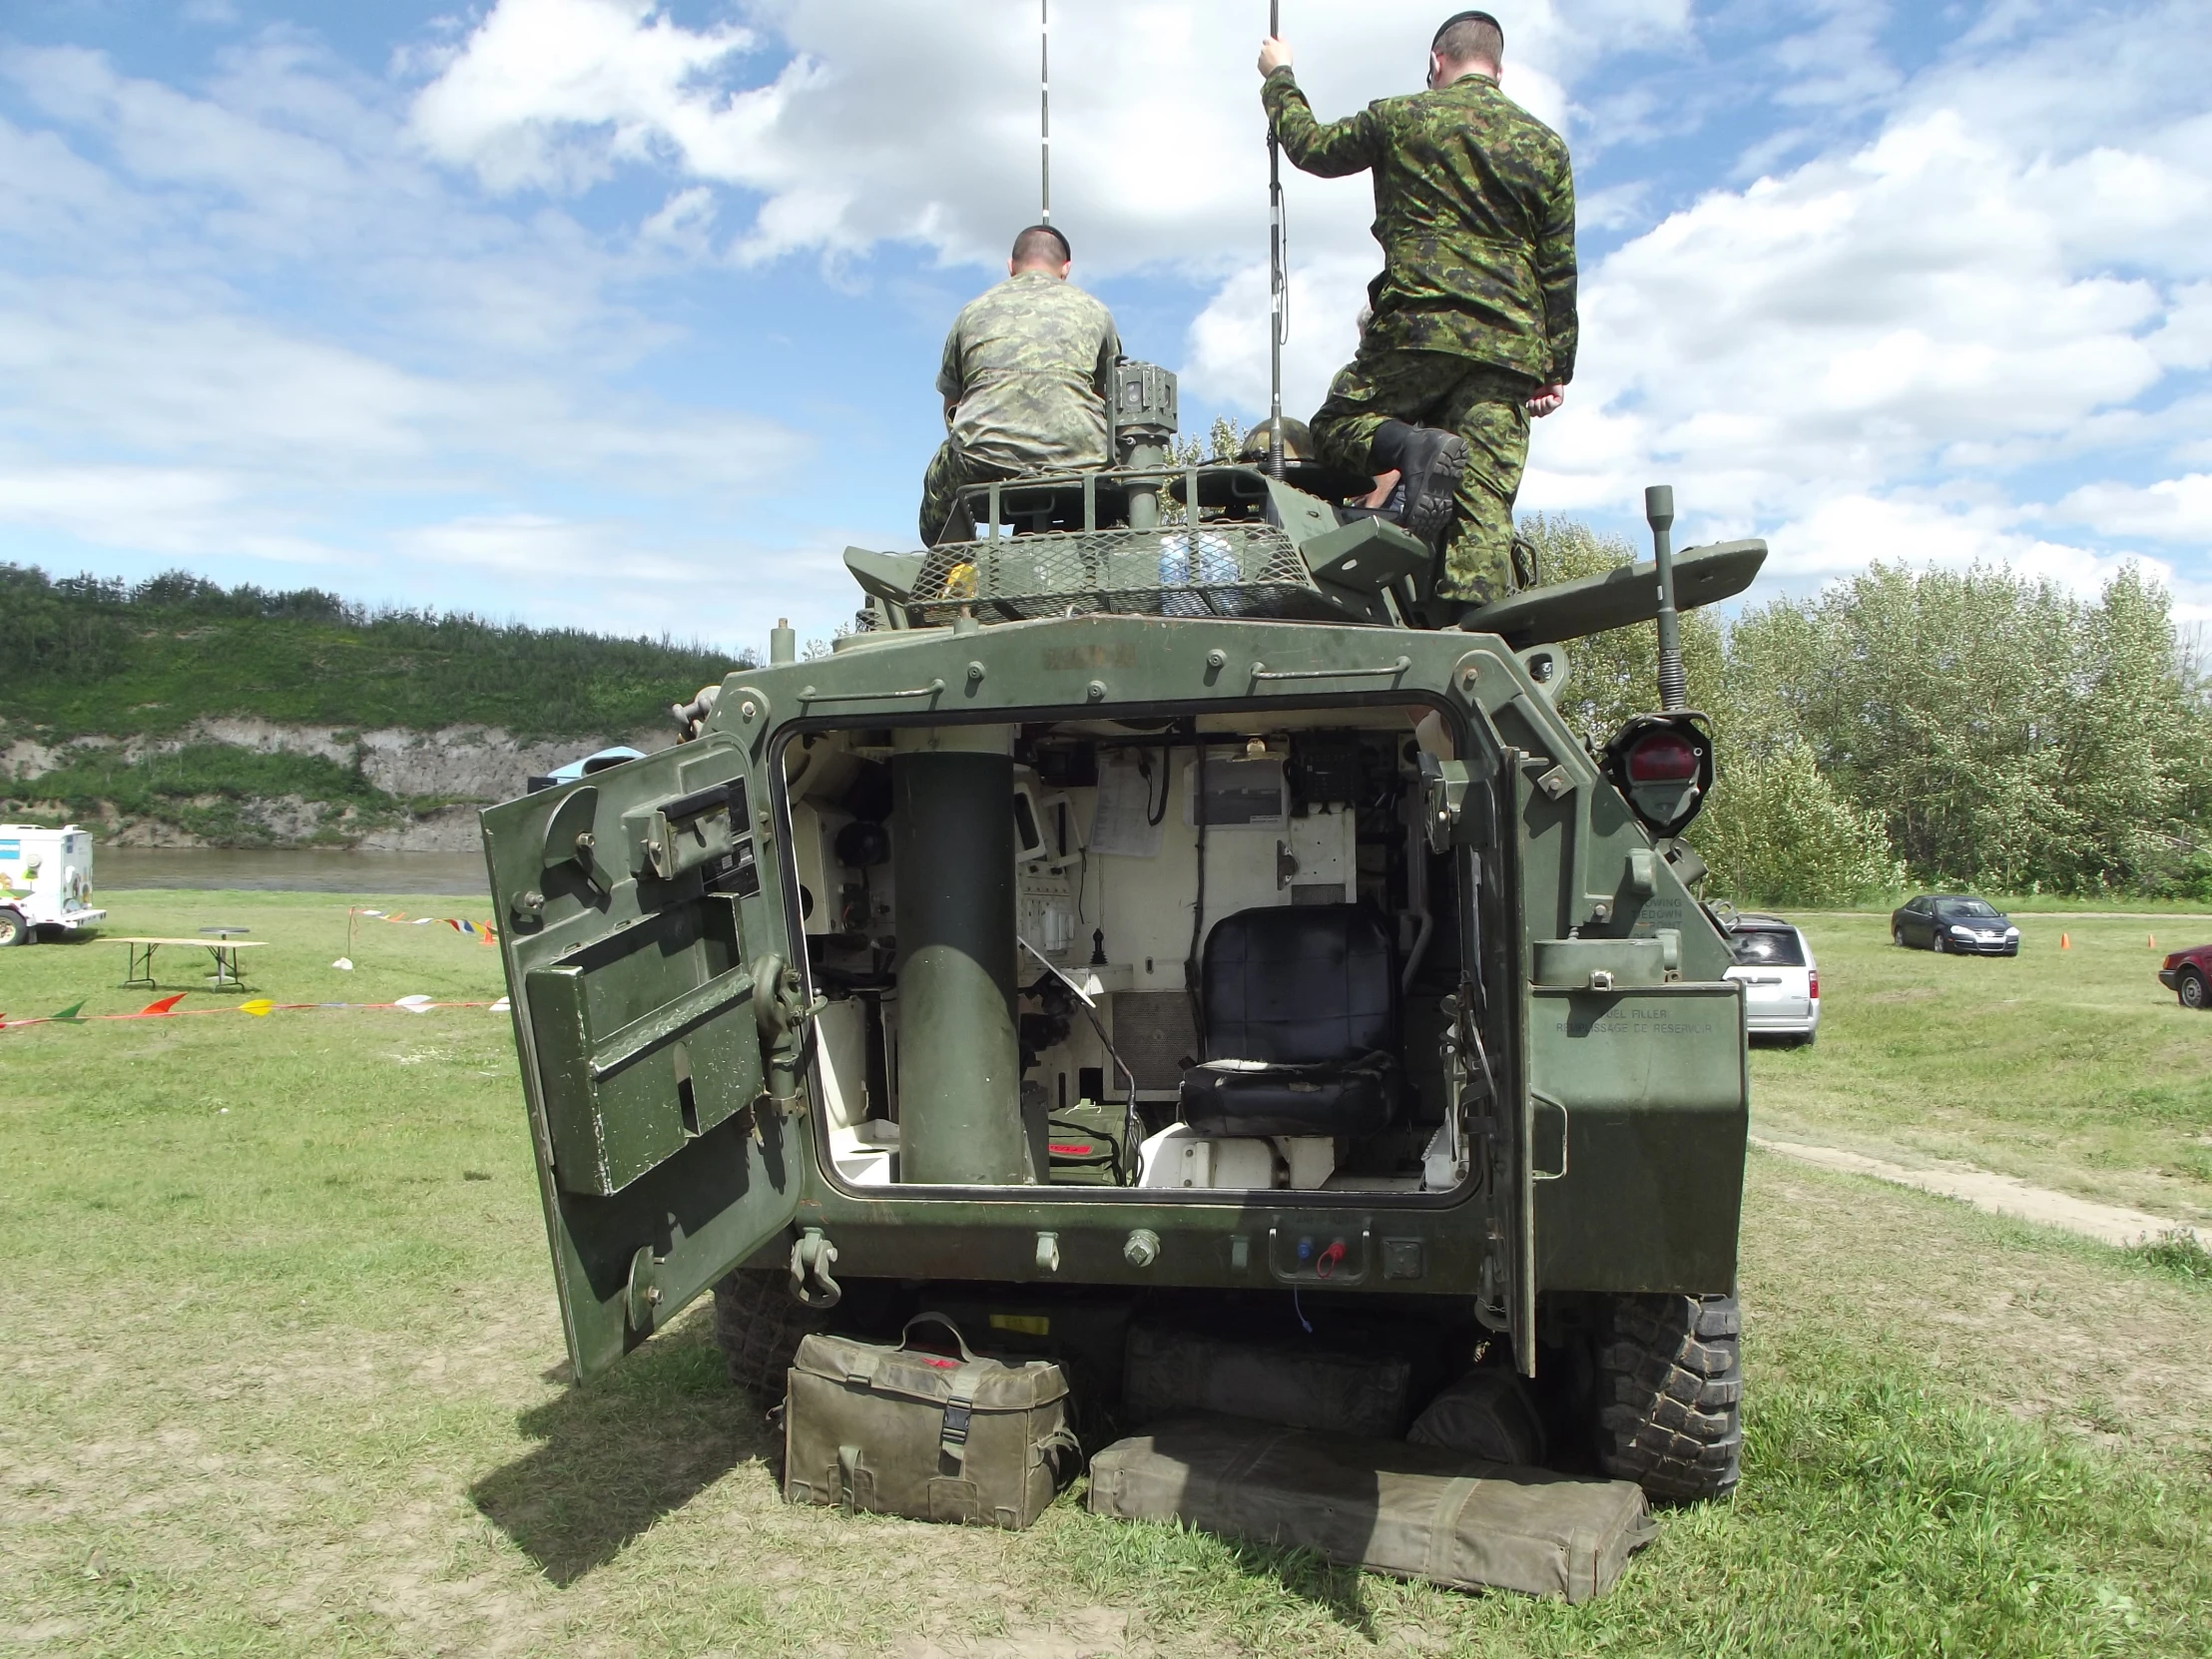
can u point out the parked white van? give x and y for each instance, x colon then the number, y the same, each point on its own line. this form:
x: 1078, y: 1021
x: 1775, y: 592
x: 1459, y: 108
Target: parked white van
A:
x: 45, y: 882
x: 1781, y: 982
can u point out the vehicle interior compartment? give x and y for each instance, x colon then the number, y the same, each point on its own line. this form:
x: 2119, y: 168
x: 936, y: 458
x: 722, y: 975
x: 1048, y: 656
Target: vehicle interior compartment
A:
x: 1209, y: 952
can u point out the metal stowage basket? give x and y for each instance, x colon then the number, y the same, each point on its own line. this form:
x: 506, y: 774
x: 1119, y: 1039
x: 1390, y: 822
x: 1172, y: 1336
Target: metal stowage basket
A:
x: 1225, y: 570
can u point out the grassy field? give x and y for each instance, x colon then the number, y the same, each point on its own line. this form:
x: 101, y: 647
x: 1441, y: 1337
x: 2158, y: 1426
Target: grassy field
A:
x: 2073, y: 1068
x: 283, y: 1373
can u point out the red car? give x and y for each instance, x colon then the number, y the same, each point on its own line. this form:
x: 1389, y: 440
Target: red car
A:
x: 2188, y: 974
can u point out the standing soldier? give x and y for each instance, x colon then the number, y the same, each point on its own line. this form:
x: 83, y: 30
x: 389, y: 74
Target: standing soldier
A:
x: 1473, y: 328
x: 1024, y: 380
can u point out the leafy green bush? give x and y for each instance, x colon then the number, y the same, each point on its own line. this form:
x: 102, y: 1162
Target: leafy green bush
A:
x: 1777, y: 832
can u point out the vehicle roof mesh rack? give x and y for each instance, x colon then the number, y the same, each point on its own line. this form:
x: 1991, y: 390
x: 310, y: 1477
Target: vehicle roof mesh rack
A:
x: 1224, y: 570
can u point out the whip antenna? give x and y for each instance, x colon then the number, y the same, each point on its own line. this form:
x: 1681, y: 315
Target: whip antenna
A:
x: 1044, y: 107
x: 1277, y: 284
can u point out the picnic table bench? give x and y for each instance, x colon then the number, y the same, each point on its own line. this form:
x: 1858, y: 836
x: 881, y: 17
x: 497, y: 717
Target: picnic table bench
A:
x: 224, y: 950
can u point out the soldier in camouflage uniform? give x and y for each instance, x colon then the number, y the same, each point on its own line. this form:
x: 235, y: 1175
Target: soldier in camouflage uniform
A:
x: 1026, y: 370
x: 1473, y: 326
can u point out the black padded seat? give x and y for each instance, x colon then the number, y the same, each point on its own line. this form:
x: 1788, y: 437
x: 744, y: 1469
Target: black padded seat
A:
x: 1301, y: 1019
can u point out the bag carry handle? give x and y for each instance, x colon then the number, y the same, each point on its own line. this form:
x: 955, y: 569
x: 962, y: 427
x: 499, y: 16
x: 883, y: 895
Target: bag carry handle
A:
x: 967, y: 1354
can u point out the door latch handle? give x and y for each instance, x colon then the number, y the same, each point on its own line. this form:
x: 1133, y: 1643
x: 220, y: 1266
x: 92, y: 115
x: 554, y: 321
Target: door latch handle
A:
x: 811, y: 1259
x: 1535, y: 1174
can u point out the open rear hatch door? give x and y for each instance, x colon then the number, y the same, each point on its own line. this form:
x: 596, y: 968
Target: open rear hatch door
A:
x: 657, y: 1025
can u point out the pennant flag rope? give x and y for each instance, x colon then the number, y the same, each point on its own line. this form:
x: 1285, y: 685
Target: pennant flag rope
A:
x: 260, y: 1007
x: 481, y: 932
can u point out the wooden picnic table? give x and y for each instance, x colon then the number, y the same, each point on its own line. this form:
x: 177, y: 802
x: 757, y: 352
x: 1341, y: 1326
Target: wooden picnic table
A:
x: 224, y: 950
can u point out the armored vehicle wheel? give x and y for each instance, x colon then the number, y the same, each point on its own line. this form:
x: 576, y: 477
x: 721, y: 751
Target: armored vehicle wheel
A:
x: 757, y: 1327
x: 2193, y: 990
x: 1670, y: 1386
x: 13, y: 929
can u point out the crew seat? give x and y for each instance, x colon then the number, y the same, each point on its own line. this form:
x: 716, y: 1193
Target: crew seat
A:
x: 1301, y: 1009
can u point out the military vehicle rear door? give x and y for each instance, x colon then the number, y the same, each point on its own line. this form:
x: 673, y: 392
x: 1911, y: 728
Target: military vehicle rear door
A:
x: 644, y: 939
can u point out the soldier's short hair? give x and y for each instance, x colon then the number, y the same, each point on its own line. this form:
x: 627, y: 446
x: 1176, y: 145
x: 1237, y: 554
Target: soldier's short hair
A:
x: 1041, y: 244
x: 1470, y: 37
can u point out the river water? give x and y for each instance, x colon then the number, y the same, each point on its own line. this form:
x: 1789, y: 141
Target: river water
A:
x: 316, y: 869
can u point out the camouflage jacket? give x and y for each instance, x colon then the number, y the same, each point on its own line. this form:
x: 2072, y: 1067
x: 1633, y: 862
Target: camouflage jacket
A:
x: 1474, y: 208
x: 1026, y: 368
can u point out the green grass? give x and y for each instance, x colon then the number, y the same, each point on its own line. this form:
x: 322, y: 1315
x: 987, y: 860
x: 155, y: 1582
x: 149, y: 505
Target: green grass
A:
x: 2178, y: 1256
x: 285, y: 1376
x: 2073, y: 1068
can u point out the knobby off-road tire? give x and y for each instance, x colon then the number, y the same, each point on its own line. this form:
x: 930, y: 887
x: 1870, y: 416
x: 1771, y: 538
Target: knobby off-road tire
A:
x: 1670, y: 1388
x: 758, y: 1327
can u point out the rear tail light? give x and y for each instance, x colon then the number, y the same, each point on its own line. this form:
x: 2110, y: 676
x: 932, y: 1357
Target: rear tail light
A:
x: 1663, y: 765
x: 1661, y: 757
x: 1813, y: 985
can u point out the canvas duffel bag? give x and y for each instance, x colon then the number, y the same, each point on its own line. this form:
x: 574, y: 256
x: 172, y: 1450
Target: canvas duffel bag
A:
x: 1413, y: 1510
x: 898, y: 1431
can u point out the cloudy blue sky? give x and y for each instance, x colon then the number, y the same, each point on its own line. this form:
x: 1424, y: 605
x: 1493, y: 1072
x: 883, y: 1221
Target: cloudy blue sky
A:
x: 623, y: 315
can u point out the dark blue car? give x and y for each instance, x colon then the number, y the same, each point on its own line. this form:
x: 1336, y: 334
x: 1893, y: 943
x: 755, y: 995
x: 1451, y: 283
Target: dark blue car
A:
x: 1955, y: 923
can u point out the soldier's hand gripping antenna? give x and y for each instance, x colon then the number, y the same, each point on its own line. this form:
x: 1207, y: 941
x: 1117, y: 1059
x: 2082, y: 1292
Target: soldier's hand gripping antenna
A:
x: 1277, y: 284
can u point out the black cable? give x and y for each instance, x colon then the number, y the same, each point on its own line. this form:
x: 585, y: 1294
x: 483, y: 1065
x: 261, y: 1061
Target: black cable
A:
x: 1198, y: 910
x: 1089, y: 1160
x: 1144, y: 770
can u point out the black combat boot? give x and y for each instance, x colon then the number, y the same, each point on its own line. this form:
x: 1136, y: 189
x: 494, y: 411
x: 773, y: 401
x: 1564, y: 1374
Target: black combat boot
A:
x: 1429, y: 463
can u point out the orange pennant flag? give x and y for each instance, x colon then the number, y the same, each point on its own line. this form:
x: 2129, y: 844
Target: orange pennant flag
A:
x: 154, y: 1010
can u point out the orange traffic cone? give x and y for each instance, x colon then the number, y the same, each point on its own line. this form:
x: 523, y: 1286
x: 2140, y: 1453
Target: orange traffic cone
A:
x: 2154, y: 941
x: 2064, y: 943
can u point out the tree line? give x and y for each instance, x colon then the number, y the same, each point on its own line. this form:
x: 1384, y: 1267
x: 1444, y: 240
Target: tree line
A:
x: 85, y: 655
x: 1933, y: 727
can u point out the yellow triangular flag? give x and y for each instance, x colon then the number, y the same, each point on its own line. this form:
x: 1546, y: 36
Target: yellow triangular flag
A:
x: 259, y: 1007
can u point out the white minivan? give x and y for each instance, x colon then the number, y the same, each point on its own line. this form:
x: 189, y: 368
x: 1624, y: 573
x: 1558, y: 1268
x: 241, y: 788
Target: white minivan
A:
x: 1782, y: 982
x: 45, y: 882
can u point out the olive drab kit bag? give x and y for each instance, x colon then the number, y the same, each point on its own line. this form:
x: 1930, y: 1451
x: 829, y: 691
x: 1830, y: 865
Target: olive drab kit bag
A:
x: 895, y: 1430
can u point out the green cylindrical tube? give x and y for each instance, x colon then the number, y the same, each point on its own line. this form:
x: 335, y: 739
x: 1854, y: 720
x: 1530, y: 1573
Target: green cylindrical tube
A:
x: 959, y: 1057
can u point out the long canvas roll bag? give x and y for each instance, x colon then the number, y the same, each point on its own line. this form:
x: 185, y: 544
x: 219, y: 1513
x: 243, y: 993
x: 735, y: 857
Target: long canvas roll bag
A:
x: 899, y: 1432
x: 1413, y: 1510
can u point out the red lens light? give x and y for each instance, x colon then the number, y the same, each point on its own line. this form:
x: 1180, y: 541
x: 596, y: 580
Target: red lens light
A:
x: 1662, y: 757
x: 1813, y: 985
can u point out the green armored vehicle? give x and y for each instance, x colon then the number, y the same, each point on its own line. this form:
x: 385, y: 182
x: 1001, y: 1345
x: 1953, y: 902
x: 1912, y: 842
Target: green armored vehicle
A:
x: 1145, y: 910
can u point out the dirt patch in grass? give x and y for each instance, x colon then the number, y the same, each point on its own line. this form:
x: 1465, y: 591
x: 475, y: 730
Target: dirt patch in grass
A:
x: 2022, y: 1319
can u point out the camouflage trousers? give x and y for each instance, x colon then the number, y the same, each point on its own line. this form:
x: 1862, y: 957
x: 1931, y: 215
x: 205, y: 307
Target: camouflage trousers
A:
x: 950, y: 472
x: 1480, y: 402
